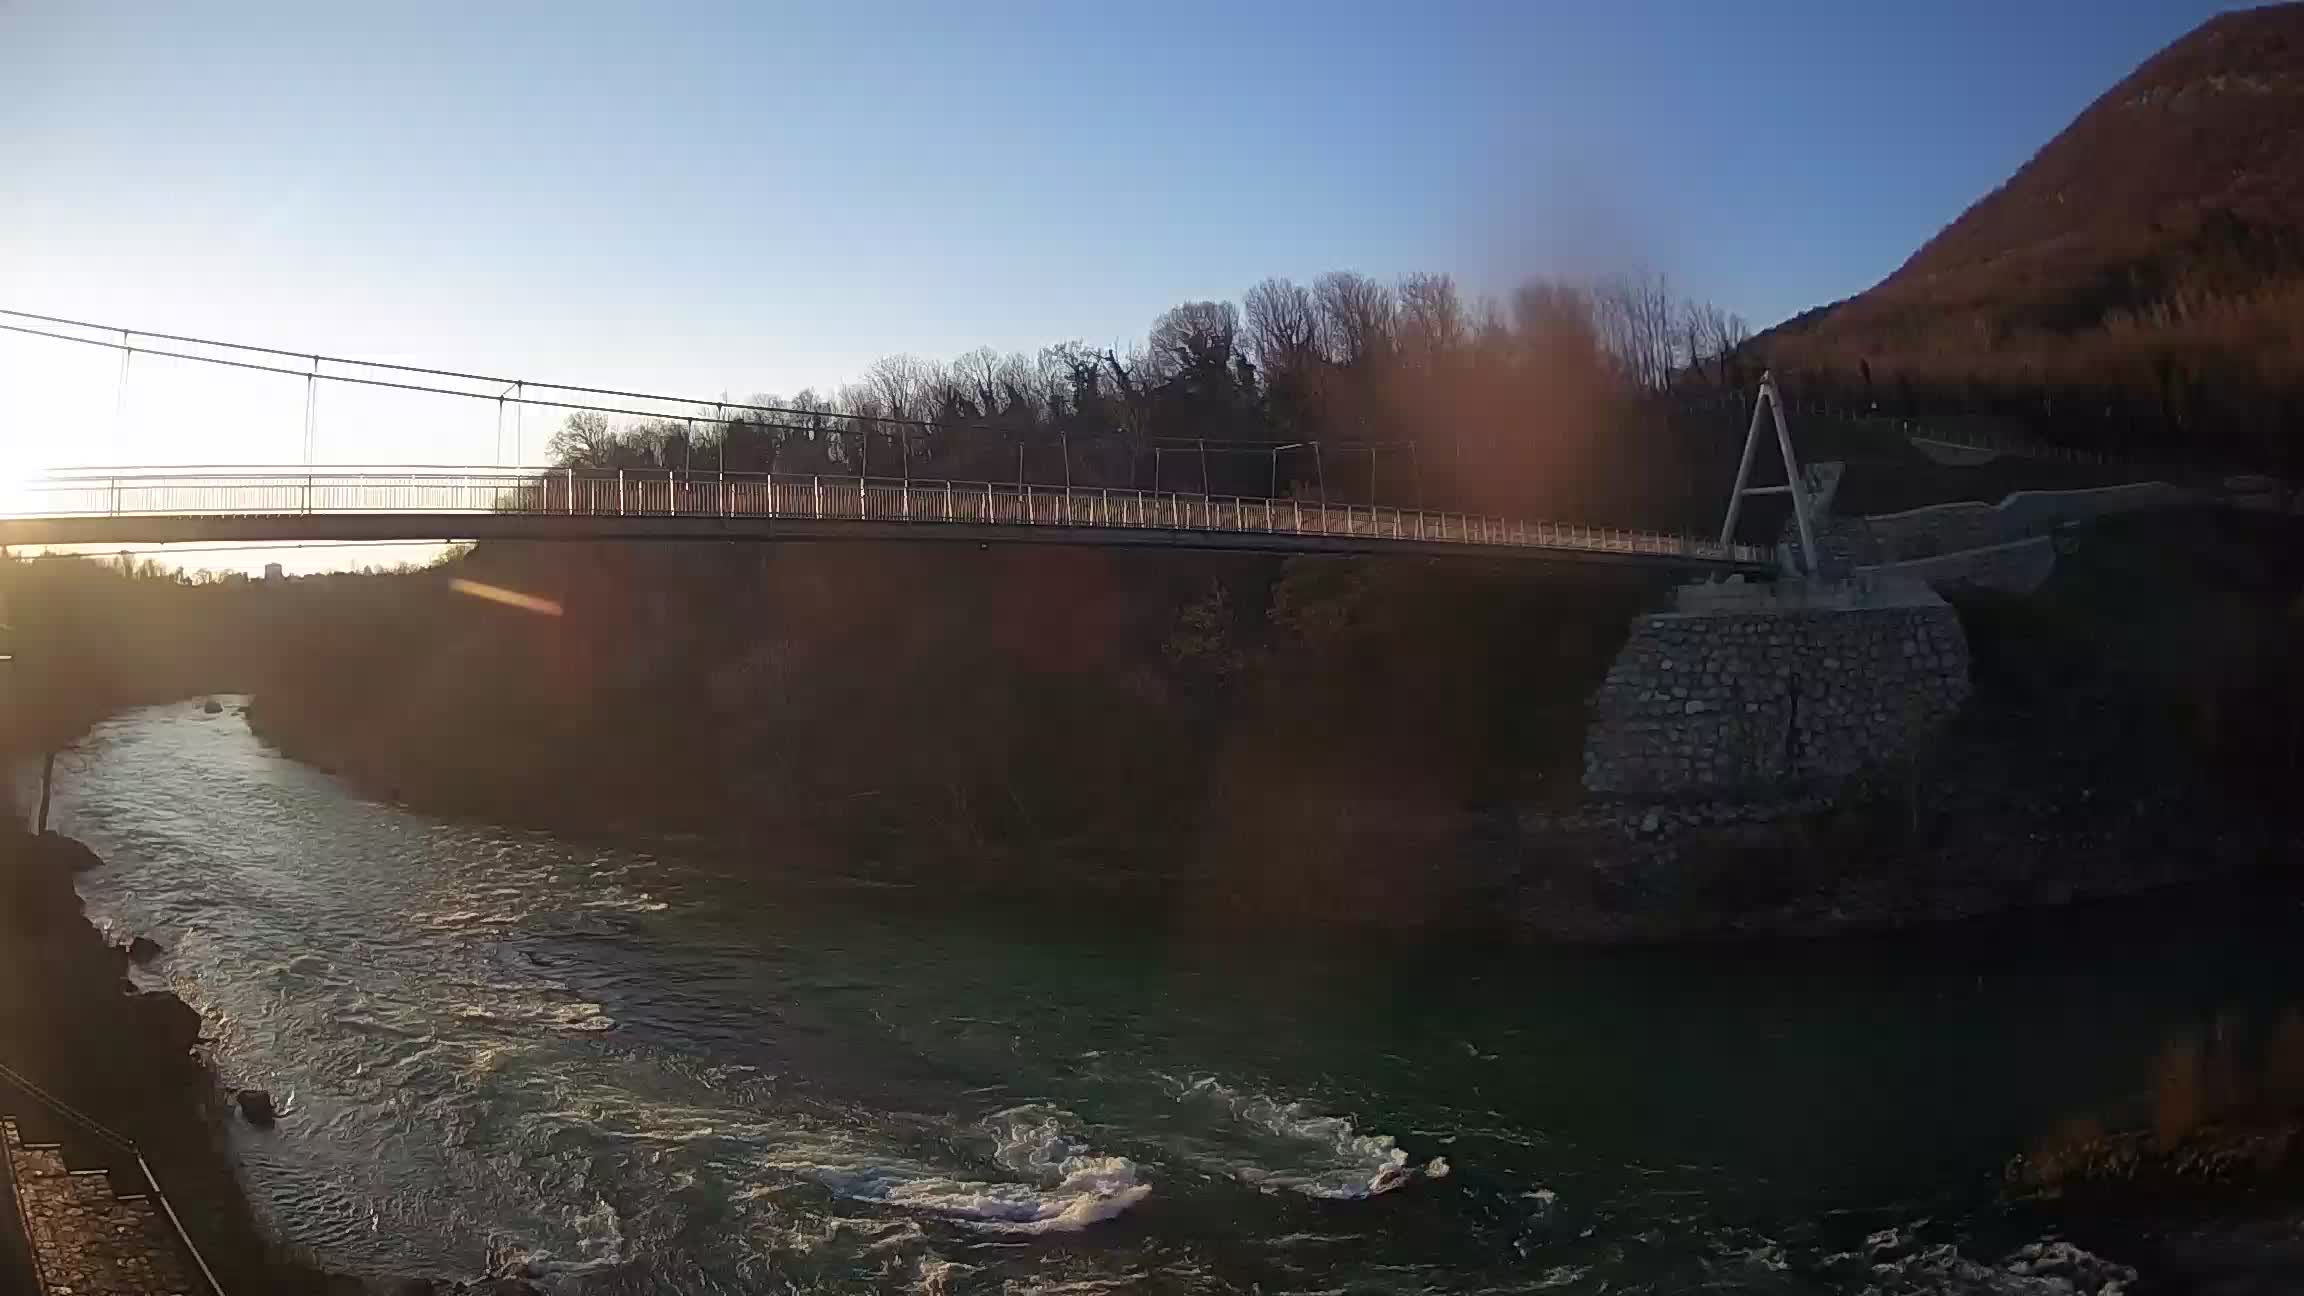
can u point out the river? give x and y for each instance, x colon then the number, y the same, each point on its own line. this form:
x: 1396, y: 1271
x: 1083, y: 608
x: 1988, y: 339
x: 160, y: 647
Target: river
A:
x: 675, y: 1070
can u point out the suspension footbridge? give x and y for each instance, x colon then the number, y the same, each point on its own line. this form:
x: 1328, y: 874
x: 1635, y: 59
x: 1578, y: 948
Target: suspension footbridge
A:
x: 124, y: 504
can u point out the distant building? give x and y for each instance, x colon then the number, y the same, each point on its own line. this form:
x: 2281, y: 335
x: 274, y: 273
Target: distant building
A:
x: 272, y: 572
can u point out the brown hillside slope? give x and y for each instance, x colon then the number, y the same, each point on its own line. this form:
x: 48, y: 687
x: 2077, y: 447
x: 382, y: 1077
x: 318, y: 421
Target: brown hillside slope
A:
x: 2150, y: 259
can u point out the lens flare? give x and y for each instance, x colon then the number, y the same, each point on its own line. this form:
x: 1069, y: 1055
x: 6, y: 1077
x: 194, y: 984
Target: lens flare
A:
x: 509, y: 598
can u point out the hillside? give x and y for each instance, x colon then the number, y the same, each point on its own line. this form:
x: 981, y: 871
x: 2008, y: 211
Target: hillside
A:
x: 2144, y: 272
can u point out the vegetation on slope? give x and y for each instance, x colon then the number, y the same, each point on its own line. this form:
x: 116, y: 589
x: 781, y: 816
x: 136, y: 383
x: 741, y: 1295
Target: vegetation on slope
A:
x: 985, y: 708
x: 88, y: 637
x: 2140, y: 281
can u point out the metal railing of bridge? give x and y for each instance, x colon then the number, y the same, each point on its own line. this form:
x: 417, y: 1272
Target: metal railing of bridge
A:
x: 581, y: 492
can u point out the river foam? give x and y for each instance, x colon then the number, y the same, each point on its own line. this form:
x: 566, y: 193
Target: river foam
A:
x: 1325, y: 1156
x: 2045, y: 1268
x: 1055, y: 1182
x: 598, y: 1244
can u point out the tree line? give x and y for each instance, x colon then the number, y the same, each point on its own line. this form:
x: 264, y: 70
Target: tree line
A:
x: 81, y: 638
x: 1415, y: 392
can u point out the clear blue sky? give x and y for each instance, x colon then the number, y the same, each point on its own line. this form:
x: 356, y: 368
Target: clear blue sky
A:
x: 756, y: 198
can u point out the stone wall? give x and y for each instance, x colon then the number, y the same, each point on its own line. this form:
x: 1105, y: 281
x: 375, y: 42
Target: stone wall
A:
x: 1747, y: 703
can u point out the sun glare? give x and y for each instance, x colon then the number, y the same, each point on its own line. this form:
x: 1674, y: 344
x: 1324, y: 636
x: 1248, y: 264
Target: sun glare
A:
x: 20, y: 473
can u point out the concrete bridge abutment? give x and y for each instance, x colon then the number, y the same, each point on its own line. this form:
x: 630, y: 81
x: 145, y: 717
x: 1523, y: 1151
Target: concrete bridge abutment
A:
x: 1760, y: 690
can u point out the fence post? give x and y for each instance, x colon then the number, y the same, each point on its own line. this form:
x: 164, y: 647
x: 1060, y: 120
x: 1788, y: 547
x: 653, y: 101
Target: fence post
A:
x: 619, y: 492
x: 817, y: 503
x: 672, y: 492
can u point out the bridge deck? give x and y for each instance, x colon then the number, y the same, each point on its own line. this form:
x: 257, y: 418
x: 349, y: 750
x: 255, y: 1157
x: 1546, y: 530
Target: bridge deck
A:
x: 262, y: 506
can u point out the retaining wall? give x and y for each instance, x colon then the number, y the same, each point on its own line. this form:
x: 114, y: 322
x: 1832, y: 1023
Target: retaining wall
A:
x: 1744, y: 703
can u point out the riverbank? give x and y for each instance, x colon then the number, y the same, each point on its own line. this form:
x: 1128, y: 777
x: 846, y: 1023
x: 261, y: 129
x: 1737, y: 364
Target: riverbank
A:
x: 1992, y: 822
x: 2009, y: 814
x: 74, y: 1023
x: 1310, y: 745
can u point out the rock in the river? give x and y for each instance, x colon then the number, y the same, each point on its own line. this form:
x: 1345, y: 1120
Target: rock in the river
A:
x: 256, y: 1107
x: 143, y: 949
x: 212, y: 707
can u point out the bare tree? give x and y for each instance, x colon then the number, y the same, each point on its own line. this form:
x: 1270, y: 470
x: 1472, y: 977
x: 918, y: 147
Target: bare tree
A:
x: 1491, y: 329
x: 1695, y: 327
x: 859, y: 403
x: 1735, y: 331
x: 978, y: 375
x: 666, y: 443
x: 903, y: 391
x: 1547, y: 310
x: 1200, y: 336
x: 1029, y: 391
x: 1711, y: 336
x: 1356, y: 317
x: 816, y: 410
x: 901, y: 386
x: 1132, y: 399
x: 1639, y: 327
x: 585, y: 440
x: 1283, y: 329
x: 1657, y: 331
x: 1078, y: 373
x: 1433, y: 322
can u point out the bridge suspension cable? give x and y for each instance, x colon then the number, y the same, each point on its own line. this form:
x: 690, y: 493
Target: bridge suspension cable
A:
x: 358, y: 380
x: 696, y: 402
x: 786, y: 418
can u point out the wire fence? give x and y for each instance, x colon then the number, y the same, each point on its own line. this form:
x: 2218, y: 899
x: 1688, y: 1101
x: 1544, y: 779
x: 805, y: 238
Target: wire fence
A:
x: 608, y: 493
x: 121, y: 1143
